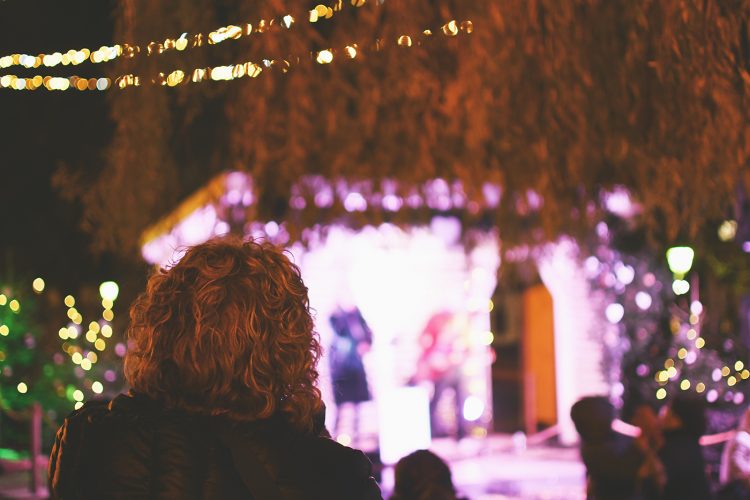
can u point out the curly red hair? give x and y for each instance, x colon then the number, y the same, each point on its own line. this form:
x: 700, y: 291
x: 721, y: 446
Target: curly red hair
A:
x: 227, y: 331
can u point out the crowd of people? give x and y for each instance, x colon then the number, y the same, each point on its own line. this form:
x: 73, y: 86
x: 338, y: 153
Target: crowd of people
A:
x: 665, y: 460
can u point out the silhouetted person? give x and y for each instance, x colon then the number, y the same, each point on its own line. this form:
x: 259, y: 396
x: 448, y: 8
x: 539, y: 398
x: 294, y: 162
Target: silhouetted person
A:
x: 612, y: 460
x: 422, y: 475
x: 735, y: 459
x: 683, y: 423
x: 222, y: 363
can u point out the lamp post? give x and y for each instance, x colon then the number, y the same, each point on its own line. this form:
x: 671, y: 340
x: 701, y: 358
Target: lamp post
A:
x: 680, y: 260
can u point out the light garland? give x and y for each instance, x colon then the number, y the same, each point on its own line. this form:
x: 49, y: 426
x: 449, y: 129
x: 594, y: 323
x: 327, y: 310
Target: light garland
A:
x: 222, y: 73
x: 184, y: 41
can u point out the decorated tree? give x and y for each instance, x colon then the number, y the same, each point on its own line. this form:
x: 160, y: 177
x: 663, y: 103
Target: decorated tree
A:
x: 56, y: 368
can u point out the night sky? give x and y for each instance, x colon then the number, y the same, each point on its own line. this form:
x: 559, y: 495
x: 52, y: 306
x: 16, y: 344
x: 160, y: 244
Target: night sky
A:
x: 41, y: 130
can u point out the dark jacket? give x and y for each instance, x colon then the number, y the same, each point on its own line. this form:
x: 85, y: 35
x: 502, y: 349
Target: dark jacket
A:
x: 683, y: 461
x: 132, y: 449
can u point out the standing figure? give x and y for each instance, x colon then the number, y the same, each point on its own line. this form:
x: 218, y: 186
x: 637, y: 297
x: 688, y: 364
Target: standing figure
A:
x: 443, y: 350
x: 352, y: 339
x: 683, y: 423
x: 612, y: 460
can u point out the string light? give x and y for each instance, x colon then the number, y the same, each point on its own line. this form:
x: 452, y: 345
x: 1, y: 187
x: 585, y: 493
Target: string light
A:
x: 183, y: 42
x: 220, y: 73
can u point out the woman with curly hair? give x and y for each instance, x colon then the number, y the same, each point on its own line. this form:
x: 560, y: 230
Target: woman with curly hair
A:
x: 222, y: 365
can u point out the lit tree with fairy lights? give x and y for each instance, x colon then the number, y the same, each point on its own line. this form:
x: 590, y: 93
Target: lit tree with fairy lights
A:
x: 57, y: 369
x: 654, y: 325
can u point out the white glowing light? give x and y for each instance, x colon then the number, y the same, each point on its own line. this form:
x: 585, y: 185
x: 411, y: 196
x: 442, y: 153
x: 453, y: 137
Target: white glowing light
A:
x: 109, y: 290
x: 22, y: 388
x: 625, y: 274
x: 643, y: 300
x: 97, y: 387
x: 680, y: 260
x: 680, y: 287
x: 473, y: 408
x: 696, y: 307
x: 614, y: 313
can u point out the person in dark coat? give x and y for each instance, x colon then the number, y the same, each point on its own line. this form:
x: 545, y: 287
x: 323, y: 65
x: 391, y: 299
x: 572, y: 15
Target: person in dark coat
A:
x: 683, y: 423
x: 222, y: 365
x: 612, y: 460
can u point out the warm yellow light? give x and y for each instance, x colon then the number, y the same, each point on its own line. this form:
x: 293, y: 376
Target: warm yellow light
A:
x: 78, y: 319
x: 739, y: 365
x: 76, y: 357
x: 404, y: 40
x: 3, y: 299
x: 700, y: 387
x: 107, y: 331
x: 14, y: 305
x: 699, y: 342
x: 486, y: 338
x: 38, y: 283
x: 86, y: 364
x: 731, y: 381
x: 669, y: 363
x: 685, y: 385
x: 97, y: 387
x: 72, y: 312
x: 63, y: 333
x: 691, y: 334
x: 672, y: 372
x: 90, y: 336
x: 662, y: 376
x: 351, y: 51
x: 70, y: 301
x: 100, y: 345
x: 108, y: 314
x: 22, y: 388
x: 661, y: 393
x: 725, y: 371
x: 682, y: 353
x: 78, y: 395
x: 94, y: 327
x: 4, y: 330
x: 450, y: 28
x: 324, y: 57
x: 72, y: 332
x: 91, y: 356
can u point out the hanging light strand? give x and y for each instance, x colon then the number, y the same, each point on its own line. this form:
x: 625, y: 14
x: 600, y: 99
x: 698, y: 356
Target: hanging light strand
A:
x: 183, y: 42
x: 229, y: 72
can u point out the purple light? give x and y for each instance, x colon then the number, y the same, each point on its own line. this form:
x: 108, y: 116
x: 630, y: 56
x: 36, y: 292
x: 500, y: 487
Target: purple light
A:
x: 355, y: 202
x: 492, y: 194
x: 324, y: 198
x: 392, y: 203
x: 746, y: 246
x: 110, y: 376
x: 120, y: 349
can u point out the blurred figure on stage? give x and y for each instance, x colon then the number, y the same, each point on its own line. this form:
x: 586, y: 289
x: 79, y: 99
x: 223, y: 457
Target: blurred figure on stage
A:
x: 422, y: 475
x: 683, y: 422
x: 351, y: 341
x: 443, y: 349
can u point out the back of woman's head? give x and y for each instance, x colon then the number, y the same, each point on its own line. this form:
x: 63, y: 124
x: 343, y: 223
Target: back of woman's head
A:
x: 423, y: 475
x: 227, y: 331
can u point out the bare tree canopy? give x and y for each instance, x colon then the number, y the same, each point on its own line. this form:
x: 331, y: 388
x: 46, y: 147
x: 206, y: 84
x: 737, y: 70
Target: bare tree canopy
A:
x: 560, y: 98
